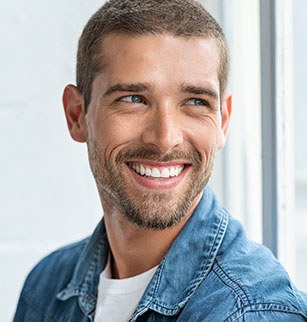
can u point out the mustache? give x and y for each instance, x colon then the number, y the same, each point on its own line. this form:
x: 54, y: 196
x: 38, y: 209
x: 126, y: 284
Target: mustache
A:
x: 153, y: 154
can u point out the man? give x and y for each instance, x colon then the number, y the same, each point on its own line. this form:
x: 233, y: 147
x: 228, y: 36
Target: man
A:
x: 152, y: 106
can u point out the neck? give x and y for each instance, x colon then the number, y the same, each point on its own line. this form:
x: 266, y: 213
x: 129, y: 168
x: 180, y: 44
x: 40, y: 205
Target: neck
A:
x: 135, y: 249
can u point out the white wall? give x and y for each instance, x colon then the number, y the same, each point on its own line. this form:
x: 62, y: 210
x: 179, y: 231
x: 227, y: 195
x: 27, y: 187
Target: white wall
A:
x: 47, y: 195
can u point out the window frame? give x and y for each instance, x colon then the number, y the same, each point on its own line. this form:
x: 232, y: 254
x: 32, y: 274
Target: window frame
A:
x: 277, y: 129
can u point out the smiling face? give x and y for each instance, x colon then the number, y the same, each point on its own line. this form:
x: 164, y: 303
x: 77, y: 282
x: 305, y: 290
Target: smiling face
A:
x: 153, y: 126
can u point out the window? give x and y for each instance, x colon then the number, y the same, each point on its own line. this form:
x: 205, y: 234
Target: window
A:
x: 237, y: 177
x: 262, y: 174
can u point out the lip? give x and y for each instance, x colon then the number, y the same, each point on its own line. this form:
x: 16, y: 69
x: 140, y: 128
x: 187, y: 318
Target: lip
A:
x: 159, y: 183
x: 158, y: 164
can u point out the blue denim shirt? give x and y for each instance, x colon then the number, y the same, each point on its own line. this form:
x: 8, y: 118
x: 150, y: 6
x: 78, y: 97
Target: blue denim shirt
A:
x: 212, y: 273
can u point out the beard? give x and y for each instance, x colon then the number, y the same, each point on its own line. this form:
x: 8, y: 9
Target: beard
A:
x: 155, y: 210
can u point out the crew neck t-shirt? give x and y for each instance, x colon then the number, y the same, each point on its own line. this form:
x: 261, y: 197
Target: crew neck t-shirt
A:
x: 118, y: 298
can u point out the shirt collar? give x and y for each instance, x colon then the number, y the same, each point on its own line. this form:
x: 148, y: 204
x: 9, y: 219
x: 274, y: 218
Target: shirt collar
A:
x: 91, y: 263
x: 189, y: 259
x: 181, y: 271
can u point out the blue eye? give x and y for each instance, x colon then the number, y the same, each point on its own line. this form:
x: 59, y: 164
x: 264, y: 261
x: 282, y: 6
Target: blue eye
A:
x: 197, y: 102
x: 132, y: 99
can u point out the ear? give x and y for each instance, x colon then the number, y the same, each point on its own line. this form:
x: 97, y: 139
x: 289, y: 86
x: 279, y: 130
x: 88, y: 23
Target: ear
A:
x: 74, y: 111
x: 226, y: 113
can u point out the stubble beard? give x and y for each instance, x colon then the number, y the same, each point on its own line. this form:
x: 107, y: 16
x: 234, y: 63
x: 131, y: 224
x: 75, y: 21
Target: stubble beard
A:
x: 149, y: 210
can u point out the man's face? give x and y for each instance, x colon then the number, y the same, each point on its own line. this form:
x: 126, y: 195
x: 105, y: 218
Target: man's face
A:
x: 154, y: 125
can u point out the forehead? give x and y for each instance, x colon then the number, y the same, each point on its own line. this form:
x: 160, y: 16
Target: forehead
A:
x: 154, y: 57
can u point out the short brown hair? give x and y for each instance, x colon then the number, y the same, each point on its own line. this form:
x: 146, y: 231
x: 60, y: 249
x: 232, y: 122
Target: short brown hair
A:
x: 183, y: 18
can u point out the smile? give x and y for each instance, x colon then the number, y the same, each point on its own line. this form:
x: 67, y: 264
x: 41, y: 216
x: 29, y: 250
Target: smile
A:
x: 156, y: 172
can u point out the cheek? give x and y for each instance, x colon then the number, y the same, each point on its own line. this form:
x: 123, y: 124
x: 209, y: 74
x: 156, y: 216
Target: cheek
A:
x: 114, y: 135
x: 207, y: 145
x: 206, y: 138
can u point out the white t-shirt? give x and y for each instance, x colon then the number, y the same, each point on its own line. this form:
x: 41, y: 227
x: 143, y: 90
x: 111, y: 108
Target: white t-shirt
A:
x: 118, y: 298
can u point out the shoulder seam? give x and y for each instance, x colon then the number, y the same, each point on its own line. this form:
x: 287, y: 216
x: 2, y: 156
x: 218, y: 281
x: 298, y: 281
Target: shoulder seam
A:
x: 246, y: 304
x: 262, y: 307
x: 232, y: 284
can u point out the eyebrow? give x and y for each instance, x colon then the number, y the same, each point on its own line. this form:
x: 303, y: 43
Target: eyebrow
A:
x: 120, y: 87
x: 141, y: 87
x: 199, y: 90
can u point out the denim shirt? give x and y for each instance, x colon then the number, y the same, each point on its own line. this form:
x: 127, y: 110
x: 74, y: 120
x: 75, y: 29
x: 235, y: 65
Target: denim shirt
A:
x: 211, y: 273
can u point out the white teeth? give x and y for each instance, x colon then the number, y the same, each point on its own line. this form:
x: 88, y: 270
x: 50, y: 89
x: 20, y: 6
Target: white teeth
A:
x: 165, y: 173
x: 142, y: 170
x: 147, y: 172
x: 157, y: 173
x: 172, y: 172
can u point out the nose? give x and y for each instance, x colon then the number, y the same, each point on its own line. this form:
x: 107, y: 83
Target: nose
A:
x: 163, y: 130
